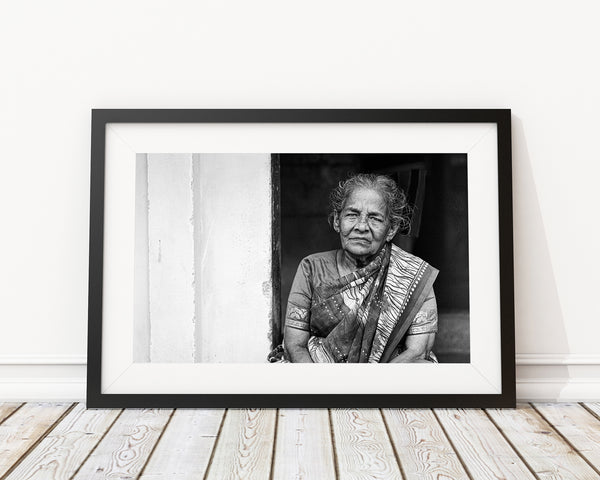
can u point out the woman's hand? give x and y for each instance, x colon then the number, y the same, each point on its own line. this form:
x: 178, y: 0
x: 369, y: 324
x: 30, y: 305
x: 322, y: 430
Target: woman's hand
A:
x: 417, y: 349
x: 296, y: 345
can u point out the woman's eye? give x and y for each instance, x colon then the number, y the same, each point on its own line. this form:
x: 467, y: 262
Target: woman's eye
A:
x: 376, y: 219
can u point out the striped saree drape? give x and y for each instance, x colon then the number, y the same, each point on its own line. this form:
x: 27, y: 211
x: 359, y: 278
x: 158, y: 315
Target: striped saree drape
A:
x: 363, y: 316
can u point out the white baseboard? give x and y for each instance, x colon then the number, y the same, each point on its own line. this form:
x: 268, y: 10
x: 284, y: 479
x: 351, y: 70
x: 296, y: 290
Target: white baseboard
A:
x: 543, y: 377
x: 42, y: 389
x: 540, y: 377
x: 557, y: 359
x: 557, y: 390
x: 43, y: 360
x: 26, y: 378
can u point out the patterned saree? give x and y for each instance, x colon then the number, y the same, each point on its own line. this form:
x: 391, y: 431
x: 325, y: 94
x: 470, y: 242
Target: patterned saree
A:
x: 363, y: 316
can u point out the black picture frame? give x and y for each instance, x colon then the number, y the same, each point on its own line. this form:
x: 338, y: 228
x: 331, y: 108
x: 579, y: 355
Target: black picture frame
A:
x: 101, y: 118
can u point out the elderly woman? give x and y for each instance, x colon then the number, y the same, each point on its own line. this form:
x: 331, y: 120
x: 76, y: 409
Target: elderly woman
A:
x: 369, y: 301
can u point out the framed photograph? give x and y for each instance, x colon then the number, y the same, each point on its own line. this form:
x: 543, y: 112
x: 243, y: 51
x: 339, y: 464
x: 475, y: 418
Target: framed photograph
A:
x: 301, y: 258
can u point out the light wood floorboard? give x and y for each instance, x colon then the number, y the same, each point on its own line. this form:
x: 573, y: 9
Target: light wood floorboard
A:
x: 594, y: 408
x: 304, y: 447
x: 482, y: 448
x: 61, y: 441
x: 422, y: 446
x: 65, y: 448
x: 578, y: 426
x: 125, y: 449
x: 545, y: 451
x: 186, y: 445
x: 363, y: 448
x: 22, y: 430
x: 7, y: 409
x: 245, y: 445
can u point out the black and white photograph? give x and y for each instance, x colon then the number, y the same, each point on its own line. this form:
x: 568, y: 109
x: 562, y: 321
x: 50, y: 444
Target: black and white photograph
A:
x: 369, y: 265
x: 292, y: 256
x: 374, y: 258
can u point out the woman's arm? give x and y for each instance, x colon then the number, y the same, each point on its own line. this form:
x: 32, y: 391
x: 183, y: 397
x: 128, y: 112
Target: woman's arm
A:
x: 421, y: 334
x: 417, y: 349
x: 297, y: 317
x: 296, y: 345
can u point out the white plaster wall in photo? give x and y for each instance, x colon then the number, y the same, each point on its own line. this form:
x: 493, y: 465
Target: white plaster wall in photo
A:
x: 63, y: 58
x: 203, y: 258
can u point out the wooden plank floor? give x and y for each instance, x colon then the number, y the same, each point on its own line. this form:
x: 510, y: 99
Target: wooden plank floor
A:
x: 56, y: 441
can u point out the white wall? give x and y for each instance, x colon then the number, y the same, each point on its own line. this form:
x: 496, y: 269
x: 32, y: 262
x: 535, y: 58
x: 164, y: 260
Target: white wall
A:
x: 62, y: 58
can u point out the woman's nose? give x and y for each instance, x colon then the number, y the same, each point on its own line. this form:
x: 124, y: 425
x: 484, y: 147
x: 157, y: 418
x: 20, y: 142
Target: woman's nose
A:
x: 362, y: 224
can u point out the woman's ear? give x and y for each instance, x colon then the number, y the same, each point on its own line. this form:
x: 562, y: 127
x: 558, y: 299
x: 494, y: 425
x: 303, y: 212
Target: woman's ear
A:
x: 336, y: 222
x: 392, y: 233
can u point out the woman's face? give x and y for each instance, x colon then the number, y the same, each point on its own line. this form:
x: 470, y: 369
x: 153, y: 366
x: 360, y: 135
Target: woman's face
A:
x: 363, y: 224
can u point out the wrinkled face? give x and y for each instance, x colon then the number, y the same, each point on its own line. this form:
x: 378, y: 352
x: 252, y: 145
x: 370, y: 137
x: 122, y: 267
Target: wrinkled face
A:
x: 363, y: 224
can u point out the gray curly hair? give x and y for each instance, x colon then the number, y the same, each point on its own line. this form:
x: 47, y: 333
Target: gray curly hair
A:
x: 398, y: 210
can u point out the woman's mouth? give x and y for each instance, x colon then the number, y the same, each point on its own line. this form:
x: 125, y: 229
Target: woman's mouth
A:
x: 360, y: 240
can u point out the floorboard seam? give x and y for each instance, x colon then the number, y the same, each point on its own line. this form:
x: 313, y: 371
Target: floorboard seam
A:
x: 512, y: 445
x: 95, y: 446
x: 38, y: 441
x: 214, y: 448
x: 160, y: 436
x: 590, y: 411
x: 566, y: 440
x: 458, y: 455
x: 12, y: 413
x: 333, y: 447
x: 271, y: 472
x: 387, y: 431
